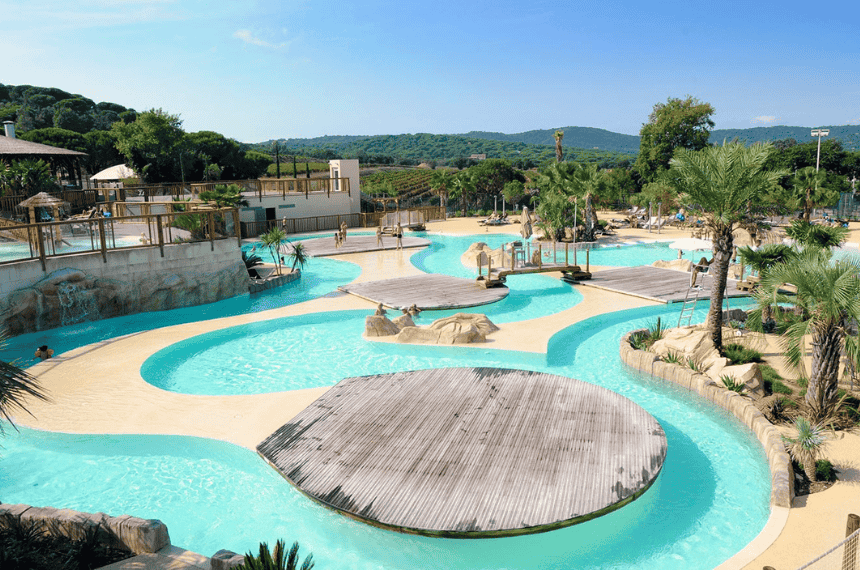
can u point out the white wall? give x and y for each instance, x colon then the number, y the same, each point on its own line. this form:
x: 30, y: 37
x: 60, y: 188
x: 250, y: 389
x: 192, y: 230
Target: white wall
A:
x: 297, y: 205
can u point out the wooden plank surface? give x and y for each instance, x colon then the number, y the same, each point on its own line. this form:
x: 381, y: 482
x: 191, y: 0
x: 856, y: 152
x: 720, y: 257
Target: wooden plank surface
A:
x: 664, y: 285
x: 323, y: 247
x: 429, y: 291
x: 469, y: 451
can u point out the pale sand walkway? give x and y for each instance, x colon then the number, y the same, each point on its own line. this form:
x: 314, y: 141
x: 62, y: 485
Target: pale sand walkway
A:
x: 98, y: 389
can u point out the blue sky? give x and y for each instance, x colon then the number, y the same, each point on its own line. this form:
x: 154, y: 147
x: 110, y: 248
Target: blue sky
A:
x: 267, y: 69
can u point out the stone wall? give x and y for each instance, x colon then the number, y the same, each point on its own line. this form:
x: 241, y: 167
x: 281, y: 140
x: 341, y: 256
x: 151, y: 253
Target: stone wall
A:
x: 137, y: 535
x: 781, y: 473
x: 83, y: 287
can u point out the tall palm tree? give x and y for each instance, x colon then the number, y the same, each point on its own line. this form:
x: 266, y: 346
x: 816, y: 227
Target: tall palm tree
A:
x: 559, y: 153
x: 761, y: 260
x: 809, y: 191
x: 464, y: 188
x: 16, y: 385
x: 440, y: 182
x: 273, y: 239
x: 828, y: 296
x: 722, y: 181
x: 299, y: 255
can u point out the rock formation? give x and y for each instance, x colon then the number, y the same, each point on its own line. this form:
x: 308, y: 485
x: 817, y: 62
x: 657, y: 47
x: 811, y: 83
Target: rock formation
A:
x: 462, y: 328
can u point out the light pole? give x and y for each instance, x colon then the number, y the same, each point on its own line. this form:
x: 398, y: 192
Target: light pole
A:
x: 819, y: 133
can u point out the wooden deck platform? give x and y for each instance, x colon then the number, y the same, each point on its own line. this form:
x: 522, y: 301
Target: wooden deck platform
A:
x: 469, y: 452
x: 655, y: 284
x: 430, y: 291
x: 323, y: 247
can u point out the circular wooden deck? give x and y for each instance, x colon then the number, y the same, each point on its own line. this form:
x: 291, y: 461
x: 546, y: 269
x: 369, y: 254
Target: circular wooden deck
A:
x: 469, y: 452
x: 428, y: 291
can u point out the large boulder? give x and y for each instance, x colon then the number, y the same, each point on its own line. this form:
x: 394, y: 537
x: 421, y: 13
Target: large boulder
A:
x: 403, y: 321
x: 462, y: 328
x: 379, y: 325
x: 692, y: 343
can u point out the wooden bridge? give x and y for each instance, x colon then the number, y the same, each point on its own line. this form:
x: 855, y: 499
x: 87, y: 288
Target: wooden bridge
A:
x: 523, y: 262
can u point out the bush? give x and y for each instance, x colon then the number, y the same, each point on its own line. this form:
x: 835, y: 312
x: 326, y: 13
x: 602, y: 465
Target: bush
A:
x: 773, y: 381
x: 733, y: 385
x: 740, y: 354
x: 824, y: 470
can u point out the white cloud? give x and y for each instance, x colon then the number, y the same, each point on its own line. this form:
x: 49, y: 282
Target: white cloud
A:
x: 248, y: 37
x: 763, y: 119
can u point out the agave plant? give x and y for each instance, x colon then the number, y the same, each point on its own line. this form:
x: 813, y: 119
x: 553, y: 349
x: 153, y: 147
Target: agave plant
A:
x: 806, y: 448
x: 276, y: 560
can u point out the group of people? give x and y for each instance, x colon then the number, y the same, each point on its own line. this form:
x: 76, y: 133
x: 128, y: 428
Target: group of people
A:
x: 398, y: 235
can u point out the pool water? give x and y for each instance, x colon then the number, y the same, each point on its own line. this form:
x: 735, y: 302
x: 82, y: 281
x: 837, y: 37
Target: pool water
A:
x: 709, y: 501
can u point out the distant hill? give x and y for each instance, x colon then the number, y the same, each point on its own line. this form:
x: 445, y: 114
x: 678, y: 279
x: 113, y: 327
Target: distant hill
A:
x: 574, y: 137
x: 424, y: 147
x: 848, y: 134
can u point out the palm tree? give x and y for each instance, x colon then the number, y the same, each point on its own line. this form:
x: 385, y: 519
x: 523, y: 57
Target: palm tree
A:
x: 16, y: 385
x: 761, y: 260
x: 559, y: 153
x: 721, y: 181
x: 464, y: 187
x: 273, y: 239
x: 809, y: 191
x: 828, y: 299
x: 276, y: 560
x: 813, y: 235
x: 224, y: 196
x: 298, y: 255
x: 806, y: 447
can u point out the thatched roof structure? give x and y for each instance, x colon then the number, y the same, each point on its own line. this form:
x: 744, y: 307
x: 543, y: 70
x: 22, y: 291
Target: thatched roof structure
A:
x: 41, y: 200
x: 14, y: 148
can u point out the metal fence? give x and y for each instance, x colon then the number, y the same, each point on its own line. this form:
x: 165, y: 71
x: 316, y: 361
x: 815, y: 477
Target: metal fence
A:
x: 333, y: 222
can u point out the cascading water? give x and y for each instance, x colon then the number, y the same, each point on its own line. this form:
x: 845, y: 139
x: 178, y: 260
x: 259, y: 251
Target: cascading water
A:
x: 77, y: 305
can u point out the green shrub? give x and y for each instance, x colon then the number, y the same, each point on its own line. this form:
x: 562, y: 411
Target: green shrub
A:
x: 278, y: 559
x: 672, y: 357
x: 773, y: 381
x: 824, y: 470
x: 740, y: 354
x: 733, y: 385
x: 693, y: 364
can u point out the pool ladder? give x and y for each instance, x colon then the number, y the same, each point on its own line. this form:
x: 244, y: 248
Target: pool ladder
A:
x: 692, y: 298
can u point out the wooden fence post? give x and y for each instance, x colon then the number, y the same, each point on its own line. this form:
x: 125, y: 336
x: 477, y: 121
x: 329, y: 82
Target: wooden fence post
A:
x: 102, y: 238
x: 238, y: 228
x: 849, y: 557
x: 160, y: 234
x: 211, y: 220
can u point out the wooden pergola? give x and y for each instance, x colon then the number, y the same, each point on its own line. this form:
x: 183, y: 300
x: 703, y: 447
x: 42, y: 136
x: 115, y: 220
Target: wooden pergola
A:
x: 16, y: 149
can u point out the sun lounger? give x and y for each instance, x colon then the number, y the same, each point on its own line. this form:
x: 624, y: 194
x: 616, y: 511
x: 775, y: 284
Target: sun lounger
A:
x: 654, y: 223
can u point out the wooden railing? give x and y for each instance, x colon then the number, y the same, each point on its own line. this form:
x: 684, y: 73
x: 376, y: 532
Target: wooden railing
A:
x: 82, y: 235
x: 331, y: 222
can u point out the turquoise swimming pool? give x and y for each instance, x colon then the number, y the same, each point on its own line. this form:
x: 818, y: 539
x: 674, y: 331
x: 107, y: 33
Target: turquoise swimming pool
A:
x: 710, y: 500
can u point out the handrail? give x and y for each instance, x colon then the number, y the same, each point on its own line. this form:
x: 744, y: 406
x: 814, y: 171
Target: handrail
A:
x: 54, y: 239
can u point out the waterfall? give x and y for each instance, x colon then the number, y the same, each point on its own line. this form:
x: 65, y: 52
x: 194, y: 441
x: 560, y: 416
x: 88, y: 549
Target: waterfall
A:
x: 77, y: 305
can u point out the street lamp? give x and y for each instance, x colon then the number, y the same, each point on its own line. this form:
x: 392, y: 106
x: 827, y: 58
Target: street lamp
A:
x: 819, y: 133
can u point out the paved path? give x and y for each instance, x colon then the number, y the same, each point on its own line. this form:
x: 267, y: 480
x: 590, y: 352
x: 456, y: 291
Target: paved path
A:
x: 470, y: 452
x: 322, y: 247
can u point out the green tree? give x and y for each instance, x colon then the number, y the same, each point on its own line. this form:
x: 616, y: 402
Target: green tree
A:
x: 151, y: 145
x: 761, y: 260
x: 75, y: 114
x: 559, y: 152
x: 273, y: 240
x: 224, y: 196
x: 463, y: 188
x: 721, y: 181
x: 60, y: 138
x: 101, y: 151
x: 555, y: 203
x: 677, y: 123
x: 26, y: 177
x: 827, y: 300
x: 817, y: 236
x: 810, y: 191
x: 490, y: 176
x: 299, y: 255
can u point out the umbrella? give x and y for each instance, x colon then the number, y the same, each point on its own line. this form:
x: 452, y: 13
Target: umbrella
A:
x: 526, y: 224
x: 692, y: 244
